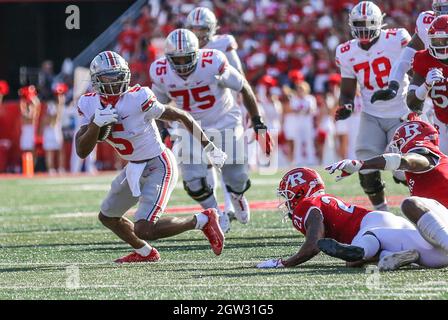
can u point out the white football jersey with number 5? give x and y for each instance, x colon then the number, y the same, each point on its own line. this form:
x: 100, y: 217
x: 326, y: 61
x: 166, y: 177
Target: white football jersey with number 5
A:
x: 135, y: 135
x: 205, y: 93
x: 371, y: 68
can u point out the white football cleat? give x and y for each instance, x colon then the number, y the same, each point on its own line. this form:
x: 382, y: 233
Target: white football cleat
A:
x: 397, y: 260
x: 224, y: 222
x: 241, y: 206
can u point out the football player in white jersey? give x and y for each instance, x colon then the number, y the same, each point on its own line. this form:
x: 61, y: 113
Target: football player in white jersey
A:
x: 366, y: 61
x: 201, y: 81
x: 419, y: 41
x: 124, y: 118
x: 202, y: 21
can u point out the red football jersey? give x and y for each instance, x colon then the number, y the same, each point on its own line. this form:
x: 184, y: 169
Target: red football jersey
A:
x: 432, y: 183
x: 423, y: 63
x: 341, y: 220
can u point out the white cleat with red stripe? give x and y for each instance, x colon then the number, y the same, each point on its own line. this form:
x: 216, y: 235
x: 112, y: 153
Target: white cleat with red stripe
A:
x: 241, y: 206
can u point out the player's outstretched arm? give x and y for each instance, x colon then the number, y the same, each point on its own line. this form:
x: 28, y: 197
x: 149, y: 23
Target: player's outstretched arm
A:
x: 315, y: 230
x: 175, y: 114
x: 216, y: 156
x: 411, y: 162
x: 399, y: 69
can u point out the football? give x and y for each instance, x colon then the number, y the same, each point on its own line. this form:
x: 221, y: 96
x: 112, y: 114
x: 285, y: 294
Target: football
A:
x: 104, y: 132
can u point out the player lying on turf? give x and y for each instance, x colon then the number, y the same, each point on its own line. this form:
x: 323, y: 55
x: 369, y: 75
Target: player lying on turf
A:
x: 317, y: 215
x: 417, y: 145
x: 124, y: 117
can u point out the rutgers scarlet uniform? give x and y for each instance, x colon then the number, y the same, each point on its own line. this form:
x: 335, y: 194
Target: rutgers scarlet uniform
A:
x: 342, y: 221
x: 432, y: 183
x: 371, y: 68
x: 423, y: 63
x: 205, y: 93
x: 422, y: 24
x: 135, y: 136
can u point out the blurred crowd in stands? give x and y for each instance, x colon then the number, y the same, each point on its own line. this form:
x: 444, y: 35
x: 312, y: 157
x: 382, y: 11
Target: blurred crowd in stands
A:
x: 287, y: 50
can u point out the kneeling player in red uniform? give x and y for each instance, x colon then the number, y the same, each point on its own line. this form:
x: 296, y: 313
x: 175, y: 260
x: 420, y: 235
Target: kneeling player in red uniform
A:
x: 417, y: 145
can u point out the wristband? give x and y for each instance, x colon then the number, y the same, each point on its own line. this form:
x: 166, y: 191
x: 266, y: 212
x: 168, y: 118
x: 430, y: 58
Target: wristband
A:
x: 393, y: 161
x: 422, y: 92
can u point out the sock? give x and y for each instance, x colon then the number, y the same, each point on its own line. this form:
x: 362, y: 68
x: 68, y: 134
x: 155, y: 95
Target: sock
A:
x: 381, y: 206
x: 144, y: 251
x: 434, y: 229
x: 212, y: 178
x: 228, y: 205
x: 369, y: 243
x: 210, y: 202
x: 201, y: 220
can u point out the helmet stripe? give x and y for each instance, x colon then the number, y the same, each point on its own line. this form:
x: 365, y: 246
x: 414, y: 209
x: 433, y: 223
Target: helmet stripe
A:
x: 111, y: 58
x: 179, y: 40
x: 364, y: 8
x: 198, y: 13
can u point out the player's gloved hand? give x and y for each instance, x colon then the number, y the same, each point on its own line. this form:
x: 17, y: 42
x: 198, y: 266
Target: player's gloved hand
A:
x: 433, y: 76
x: 343, y: 112
x: 347, y: 167
x: 216, y: 156
x: 386, y: 94
x: 105, y: 116
x: 262, y: 135
x: 271, y: 263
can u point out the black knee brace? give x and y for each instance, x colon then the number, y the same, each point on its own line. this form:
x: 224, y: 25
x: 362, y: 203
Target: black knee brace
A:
x: 371, y: 183
x: 201, y: 194
x: 245, y: 188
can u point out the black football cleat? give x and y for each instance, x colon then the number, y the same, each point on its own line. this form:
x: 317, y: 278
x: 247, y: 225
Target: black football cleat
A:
x: 339, y: 250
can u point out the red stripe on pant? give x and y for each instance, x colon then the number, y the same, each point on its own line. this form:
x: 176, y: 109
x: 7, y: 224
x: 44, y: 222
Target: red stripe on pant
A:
x: 165, y: 185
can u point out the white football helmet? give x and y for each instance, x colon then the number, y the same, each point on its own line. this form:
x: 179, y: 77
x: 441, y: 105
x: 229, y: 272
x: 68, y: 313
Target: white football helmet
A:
x: 202, y: 21
x: 366, y: 21
x: 181, y: 51
x: 440, y: 7
x: 110, y: 74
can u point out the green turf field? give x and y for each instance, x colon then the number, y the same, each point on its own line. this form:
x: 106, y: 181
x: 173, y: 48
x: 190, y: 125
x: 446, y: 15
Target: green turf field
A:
x: 49, y: 236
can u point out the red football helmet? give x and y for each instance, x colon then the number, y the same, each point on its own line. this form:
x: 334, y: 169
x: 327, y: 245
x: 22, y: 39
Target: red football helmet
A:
x: 298, y: 184
x: 438, y: 38
x: 415, y: 134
